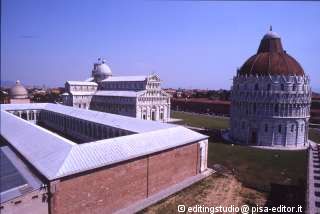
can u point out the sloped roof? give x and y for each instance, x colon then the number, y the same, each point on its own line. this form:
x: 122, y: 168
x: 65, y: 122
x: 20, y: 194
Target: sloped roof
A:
x: 82, y: 83
x: 55, y: 156
x: 113, y: 120
x: 119, y: 93
x: 82, y: 93
x: 16, y: 178
x: 125, y: 78
x: 45, y: 150
x: 109, y: 151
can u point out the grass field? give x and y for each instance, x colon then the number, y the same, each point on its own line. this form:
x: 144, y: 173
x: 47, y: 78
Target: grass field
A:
x: 314, y: 135
x: 201, y: 121
x: 257, y: 173
x: 255, y: 167
x: 215, y: 190
x: 258, y: 168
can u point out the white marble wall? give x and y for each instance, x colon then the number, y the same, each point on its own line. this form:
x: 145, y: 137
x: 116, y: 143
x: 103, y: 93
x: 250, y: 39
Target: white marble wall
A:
x: 154, y: 104
x: 270, y: 110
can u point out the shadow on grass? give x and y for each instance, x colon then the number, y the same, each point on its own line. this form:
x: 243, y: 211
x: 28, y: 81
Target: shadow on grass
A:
x: 287, y: 195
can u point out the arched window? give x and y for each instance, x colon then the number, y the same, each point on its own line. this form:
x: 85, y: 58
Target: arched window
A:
x: 256, y: 87
x: 294, y: 87
x: 292, y: 128
x: 268, y: 87
x: 279, y: 128
x: 282, y: 87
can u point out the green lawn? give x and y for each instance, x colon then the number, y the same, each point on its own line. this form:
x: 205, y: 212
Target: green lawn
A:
x: 259, y: 168
x: 314, y: 135
x: 254, y: 167
x: 201, y: 121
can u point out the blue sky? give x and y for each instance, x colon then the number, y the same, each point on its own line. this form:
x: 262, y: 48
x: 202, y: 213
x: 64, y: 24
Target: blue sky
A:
x: 190, y: 44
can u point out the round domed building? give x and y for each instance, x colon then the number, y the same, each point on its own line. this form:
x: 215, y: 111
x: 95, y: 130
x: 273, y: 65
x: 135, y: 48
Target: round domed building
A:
x: 18, y: 94
x: 270, y: 98
x: 101, y: 71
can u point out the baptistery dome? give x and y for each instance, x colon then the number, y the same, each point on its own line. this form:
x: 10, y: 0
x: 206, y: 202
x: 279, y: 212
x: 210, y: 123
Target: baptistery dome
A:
x: 271, y: 59
x: 270, y: 98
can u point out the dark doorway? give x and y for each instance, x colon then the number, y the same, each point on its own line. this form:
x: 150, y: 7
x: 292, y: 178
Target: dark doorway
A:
x: 153, y: 115
x: 253, y: 139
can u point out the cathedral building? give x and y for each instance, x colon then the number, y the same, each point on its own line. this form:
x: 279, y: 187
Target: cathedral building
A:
x: 270, y: 98
x: 134, y: 96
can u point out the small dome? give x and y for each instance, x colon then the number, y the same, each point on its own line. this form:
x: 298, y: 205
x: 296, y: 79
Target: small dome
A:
x: 18, y: 91
x: 271, y: 59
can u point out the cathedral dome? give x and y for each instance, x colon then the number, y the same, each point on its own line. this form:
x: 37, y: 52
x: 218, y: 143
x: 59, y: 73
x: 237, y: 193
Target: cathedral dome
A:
x: 271, y: 59
x: 102, y: 68
x: 18, y: 91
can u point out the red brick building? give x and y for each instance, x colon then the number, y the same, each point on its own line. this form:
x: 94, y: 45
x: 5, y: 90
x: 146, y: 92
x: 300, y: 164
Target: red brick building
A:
x: 125, y: 161
x: 118, y: 186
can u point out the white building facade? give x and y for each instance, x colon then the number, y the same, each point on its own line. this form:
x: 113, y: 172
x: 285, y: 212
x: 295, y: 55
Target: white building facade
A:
x: 134, y: 96
x: 270, y: 98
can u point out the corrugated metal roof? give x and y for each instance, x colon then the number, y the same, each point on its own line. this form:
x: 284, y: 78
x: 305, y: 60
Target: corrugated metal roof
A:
x: 81, y: 83
x: 43, y: 149
x: 119, y: 93
x: 35, y: 106
x: 82, y: 93
x: 56, y: 157
x: 109, y: 151
x: 114, y: 120
x: 125, y: 78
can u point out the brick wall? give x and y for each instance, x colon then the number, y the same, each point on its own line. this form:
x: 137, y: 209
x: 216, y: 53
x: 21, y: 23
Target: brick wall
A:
x: 109, y: 189
x: 169, y: 168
